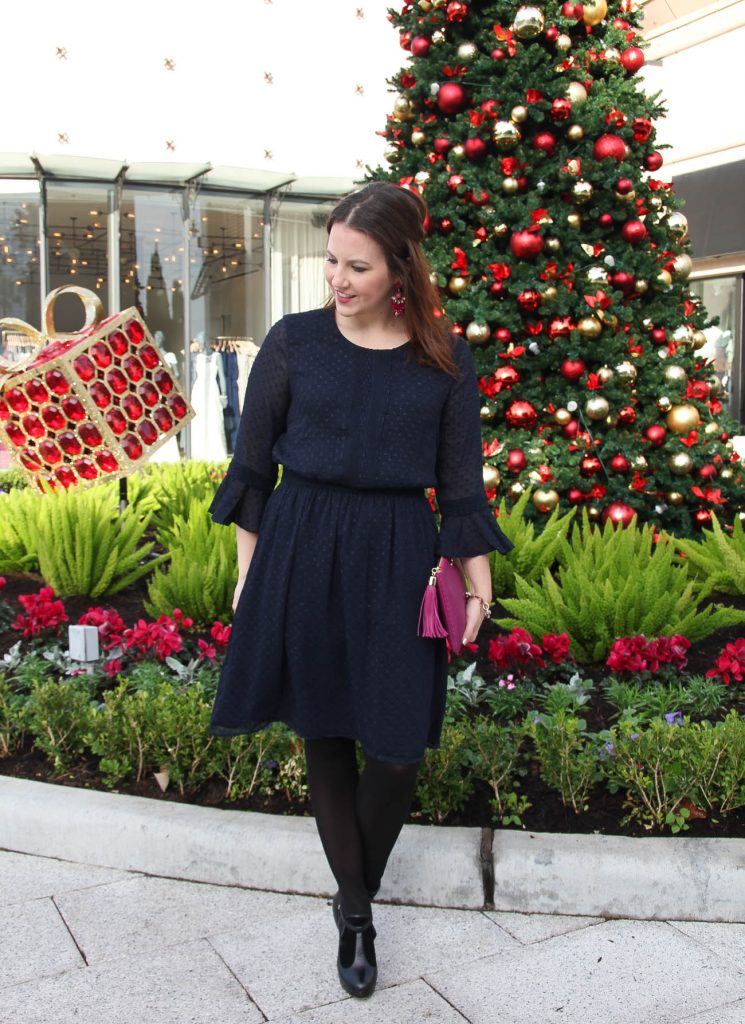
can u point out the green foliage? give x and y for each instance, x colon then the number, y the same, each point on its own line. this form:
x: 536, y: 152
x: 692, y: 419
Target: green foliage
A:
x: 86, y: 547
x: 641, y: 701
x: 497, y: 754
x: 566, y: 756
x: 569, y: 697
x: 172, y: 488
x: 443, y: 784
x: 203, y: 570
x: 18, y: 543
x: 467, y: 691
x: 614, y: 583
x: 12, y: 479
x: 12, y: 728
x: 57, y: 715
x: 531, y: 555
x: 718, y: 558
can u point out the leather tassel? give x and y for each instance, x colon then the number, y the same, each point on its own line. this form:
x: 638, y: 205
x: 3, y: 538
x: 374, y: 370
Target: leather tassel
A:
x: 429, y: 614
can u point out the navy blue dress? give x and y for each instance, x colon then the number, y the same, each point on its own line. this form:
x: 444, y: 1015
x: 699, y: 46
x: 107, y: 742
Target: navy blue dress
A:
x: 324, y: 637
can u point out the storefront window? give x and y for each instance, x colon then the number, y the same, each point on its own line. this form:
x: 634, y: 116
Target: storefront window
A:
x: 298, y: 252
x: 722, y: 297
x: 20, y: 294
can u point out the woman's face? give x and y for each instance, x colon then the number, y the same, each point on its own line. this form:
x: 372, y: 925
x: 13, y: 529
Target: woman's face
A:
x: 358, y: 275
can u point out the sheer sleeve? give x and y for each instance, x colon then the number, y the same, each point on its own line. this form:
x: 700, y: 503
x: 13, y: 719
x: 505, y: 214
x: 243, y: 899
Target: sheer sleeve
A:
x: 468, y: 525
x: 252, y: 473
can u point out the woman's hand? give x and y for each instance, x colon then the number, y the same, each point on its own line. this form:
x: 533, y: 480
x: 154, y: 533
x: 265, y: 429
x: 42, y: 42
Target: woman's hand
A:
x: 246, y: 545
x: 478, y: 572
x: 474, y: 619
x: 238, y: 591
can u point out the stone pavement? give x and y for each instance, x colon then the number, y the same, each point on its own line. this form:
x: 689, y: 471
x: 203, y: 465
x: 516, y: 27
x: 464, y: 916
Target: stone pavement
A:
x: 93, y: 945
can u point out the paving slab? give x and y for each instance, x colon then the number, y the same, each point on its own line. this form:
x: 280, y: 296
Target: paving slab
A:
x: 619, y: 972
x: 24, y: 877
x: 413, y: 1003
x: 35, y: 943
x: 111, y: 921
x: 733, y: 1013
x: 187, y: 984
x: 726, y: 940
x: 529, y: 928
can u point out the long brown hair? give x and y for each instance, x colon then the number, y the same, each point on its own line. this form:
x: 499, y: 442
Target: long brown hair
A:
x: 394, y: 217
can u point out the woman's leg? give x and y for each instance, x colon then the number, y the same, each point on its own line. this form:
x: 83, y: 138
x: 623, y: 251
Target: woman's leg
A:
x: 384, y: 795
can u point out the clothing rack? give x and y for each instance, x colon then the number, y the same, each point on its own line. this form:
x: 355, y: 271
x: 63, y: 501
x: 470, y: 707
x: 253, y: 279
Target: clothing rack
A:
x: 233, y: 344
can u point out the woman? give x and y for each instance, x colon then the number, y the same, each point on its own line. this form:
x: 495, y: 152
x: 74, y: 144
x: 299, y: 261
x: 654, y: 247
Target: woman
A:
x: 364, y: 404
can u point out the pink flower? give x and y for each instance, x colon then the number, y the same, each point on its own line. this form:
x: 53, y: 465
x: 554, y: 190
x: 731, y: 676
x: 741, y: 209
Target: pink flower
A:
x: 220, y: 634
x: 556, y: 646
x: 207, y: 652
x: 731, y: 663
x: 110, y: 625
x: 3, y: 581
x: 44, y: 614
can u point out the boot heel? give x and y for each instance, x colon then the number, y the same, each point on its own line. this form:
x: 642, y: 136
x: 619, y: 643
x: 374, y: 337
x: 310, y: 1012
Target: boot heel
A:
x: 356, y: 962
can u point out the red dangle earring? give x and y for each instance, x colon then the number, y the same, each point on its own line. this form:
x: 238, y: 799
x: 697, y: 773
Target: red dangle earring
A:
x: 398, y: 300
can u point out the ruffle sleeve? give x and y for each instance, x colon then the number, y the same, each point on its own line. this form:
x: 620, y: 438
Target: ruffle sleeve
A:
x: 468, y: 526
x: 252, y: 473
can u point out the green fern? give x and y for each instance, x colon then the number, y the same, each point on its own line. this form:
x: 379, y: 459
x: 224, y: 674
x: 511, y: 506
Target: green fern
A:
x: 18, y: 547
x: 717, y: 558
x: 171, y: 488
x: 531, y: 555
x: 613, y: 583
x: 203, y: 571
x: 85, y: 547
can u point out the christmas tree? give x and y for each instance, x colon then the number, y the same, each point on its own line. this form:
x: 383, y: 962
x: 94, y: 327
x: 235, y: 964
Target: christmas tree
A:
x: 562, y: 258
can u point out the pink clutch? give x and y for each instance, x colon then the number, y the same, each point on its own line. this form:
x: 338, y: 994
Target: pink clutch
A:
x: 443, y: 610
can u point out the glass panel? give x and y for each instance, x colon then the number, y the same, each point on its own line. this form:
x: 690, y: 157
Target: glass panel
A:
x: 298, y: 252
x: 226, y: 267
x: 19, y: 250
x: 721, y: 297
x: 77, y: 246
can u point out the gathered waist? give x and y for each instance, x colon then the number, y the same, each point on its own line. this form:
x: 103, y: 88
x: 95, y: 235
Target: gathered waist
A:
x: 293, y: 479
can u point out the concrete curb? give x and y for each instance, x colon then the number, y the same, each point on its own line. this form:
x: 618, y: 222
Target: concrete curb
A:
x: 606, y: 876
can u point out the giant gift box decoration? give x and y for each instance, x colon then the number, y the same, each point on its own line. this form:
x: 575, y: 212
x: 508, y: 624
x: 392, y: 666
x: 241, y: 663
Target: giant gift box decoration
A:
x: 88, y: 405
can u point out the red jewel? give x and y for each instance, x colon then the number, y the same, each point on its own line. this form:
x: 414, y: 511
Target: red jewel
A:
x: 132, y: 407
x: 17, y: 400
x: 33, y: 425
x: 57, y: 382
x: 100, y: 394
x: 106, y: 461
x: 163, y: 381
x: 177, y: 406
x: 69, y: 443
x: 36, y: 391
x: 132, y: 446
x: 135, y: 330
x: 101, y: 355
x: 90, y: 435
x: 86, y: 469
x: 163, y: 418
x: 84, y: 368
x: 30, y: 460
x: 73, y: 409
x: 147, y: 432
x: 116, y: 421
x: 133, y: 368
x: 4, y: 410
x: 148, y: 394
x: 149, y: 356
x: 117, y: 382
x: 65, y: 476
x: 15, y: 434
x: 50, y: 453
x: 118, y: 343
x: 53, y: 417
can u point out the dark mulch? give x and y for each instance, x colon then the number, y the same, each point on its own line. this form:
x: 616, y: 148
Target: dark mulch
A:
x: 546, y: 814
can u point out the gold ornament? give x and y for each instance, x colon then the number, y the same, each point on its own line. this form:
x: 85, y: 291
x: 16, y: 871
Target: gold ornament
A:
x: 545, y: 500
x: 596, y: 275
x: 675, y: 498
x: 582, y: 191
x: 626, y: 371
x: 477, y: 333
x: 487, y: 412
x: 625, y: 197
x: 457, y: 152
x: 562, y: 417
x: 664, y: 279
x: 641, y: 286
x: 457, y: 285
x: 683, y: 418
x: 640, y: 463
x: 519, y: 114
x: 712, y: 428
x: 500, y: 230
x: 509, y: 186
x: 609, y: 319
x: 593, y: 11
x: 392, y: 154
x: 597, y: 407
x: 575, y: 132
x: 664, y: 403
x: 674, y: 374
x: 550, y: 294
x: 683, y: 265
x: 574, y: 167
x: 576, y: 93
x: 680, y: 464
x: 574, y: 220
x: 434, y: 279
x: 552, y: 245
x: 425, y: 6
x: 726, y: 474
x: 589, y: 327
x: 506, y: 135
x: 698, y: 339
x: 516, y: 489
x: 421, y: 177
x: 677, y: 226
x: 438, y: 36
x: 594, y: 513
x: 612, y: 55
x: 715, y: 385
x: 605, y: 374
x: 402, y: 109
x: 563, y: 42
x: 417, y: 137
x: 529, y: 22
x: 467, y: 51
x: 491, y: 476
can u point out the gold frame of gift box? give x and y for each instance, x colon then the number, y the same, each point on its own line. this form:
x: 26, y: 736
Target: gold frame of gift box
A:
x: 88, y: 406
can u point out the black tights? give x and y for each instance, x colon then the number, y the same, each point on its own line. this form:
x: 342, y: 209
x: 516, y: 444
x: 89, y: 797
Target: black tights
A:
x: 359, y: 816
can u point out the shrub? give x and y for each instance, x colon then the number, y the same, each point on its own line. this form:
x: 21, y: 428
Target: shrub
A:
x: 717, y: 559
x: 531, y: 555
x: 497, y: 757
x: 615, y: 583
x: 18, y: 543
x: 172, y: 488
x: 57, y: 715
x: 566, y: 757
x: 443, y: 785
x: 11, y: 717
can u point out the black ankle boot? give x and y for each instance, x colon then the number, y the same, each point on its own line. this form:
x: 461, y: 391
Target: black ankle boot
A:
x: 356, y: 963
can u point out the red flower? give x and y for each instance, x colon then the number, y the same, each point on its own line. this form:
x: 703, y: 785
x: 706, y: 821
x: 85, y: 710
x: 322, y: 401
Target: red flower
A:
x: 517, y: 650
x: 667, y: 650
x: 730, y: 664
x: 556, y: 646
x: 44, y: 614
x: 628, y: 655
x: 533, y: 95
x: 162, y: 637
x: 110, y: 625
x: 220, y: 634
x: 3, y: 581
x: 113, y: 668
x: 207, y: 652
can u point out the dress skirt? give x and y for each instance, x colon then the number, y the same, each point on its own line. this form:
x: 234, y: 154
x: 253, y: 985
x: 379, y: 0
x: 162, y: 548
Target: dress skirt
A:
x: 324, y: 637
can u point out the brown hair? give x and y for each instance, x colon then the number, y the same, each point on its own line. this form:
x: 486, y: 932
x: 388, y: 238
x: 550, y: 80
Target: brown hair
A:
x: 394, y: 217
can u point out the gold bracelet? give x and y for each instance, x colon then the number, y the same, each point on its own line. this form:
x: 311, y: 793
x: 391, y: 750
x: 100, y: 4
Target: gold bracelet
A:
x: 485, y: 605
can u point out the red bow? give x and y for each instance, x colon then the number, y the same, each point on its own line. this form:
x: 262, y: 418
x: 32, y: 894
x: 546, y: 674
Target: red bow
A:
x: 599, y: 300
x: 504, y: 35
x: 712, y: 494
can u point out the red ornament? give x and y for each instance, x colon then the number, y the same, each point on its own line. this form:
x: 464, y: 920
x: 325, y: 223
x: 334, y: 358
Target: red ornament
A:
x: 456, y: 11
x: 702, y: 517
x: 570, y: 430
x: 619, y: 513
x: 446, y: 225
x: 521, y: 414
x: 451, y: 98
x: 574, y: 496
x: 441, y: 146
x: 708, y: 471
x: 624, y: 186
x: 503, y: 334
x: 516, y: 460
x: 572, y: 11
x: 560, y: 109
x: 620, y: 464
x: 496, y: 287
x: 655, y: 434
x: 658, y: 335
x: 632, y: 59
x: 609, y: 147
x: 627, y: 416
x: 605, y: 220
x: 529, y: 300
x: 623, y: 281
x: 590, y: 465
x: 551, y: 34
x: 506, y: 377
x: 475, y: 149
x: 634, y: 232
x: 526, y: 245
x: 573, y: 369
x: 545, y: 141
x: 420, y: 46
x: 653, y: 161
